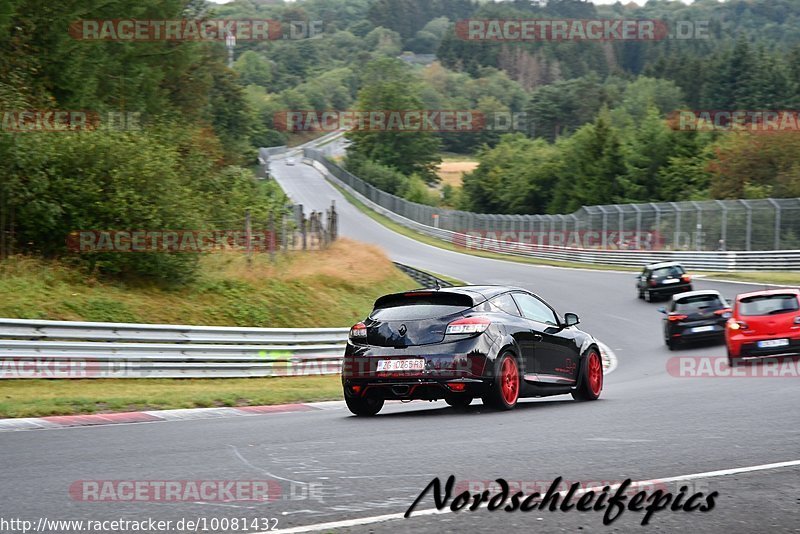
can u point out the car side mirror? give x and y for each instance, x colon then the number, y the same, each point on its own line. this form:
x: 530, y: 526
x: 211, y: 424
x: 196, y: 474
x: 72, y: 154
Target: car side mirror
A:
x: 663, y: 310
x: 571, y: 319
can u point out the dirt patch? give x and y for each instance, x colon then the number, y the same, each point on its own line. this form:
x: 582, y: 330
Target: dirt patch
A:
x: 452, y: 172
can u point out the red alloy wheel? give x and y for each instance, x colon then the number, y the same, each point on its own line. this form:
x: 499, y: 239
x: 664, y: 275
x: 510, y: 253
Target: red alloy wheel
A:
x: 595, y: 373
x: 509, y: 380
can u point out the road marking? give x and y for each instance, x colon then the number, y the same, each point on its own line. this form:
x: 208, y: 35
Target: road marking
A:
x: 610, y: 361
x: 433, y: 511
x: 620, y: 440
x: 710, y: 278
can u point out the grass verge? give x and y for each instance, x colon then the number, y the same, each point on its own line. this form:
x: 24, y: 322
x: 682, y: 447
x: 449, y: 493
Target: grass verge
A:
x: 334, y: 287
x: 36, y: 398
x: 781, y: 278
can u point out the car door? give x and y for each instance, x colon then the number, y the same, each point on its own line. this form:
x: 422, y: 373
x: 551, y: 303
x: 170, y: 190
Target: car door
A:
x: 519, y: 328
x: 554, y: 360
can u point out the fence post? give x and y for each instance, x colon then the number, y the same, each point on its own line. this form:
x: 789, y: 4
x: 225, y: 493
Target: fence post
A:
x: 271, y: 237
x: 248, y: 232
x: 284, y: 238
x: 777, y: 206
x: 303, y: 224
x: 748, y: 225
x: 334, y: 228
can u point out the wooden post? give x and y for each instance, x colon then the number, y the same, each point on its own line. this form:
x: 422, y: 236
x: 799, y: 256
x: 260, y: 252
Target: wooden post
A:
x: 271, y: 236
x: 248, y: 232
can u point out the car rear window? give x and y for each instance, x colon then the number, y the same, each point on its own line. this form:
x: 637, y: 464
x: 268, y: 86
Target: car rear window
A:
x: 698, y: 303
x: 417, y: 306
x: 769, y: 304
x: 664, y: 272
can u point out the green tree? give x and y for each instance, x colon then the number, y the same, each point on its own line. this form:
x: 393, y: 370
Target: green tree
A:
x: 253, y: 69
x: 390, y: 86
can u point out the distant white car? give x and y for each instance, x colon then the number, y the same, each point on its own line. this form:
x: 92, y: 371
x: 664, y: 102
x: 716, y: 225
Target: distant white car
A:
x: 290, y: 161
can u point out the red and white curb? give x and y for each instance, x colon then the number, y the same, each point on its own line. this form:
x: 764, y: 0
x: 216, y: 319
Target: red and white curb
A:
x: 67, y: 421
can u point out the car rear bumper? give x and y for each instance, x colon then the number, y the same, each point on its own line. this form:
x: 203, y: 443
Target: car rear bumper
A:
x: 748, y: 347
x: 413, y: 389
x: 672, y: 289
x: 449, y: 369
x: 687, y: 333
x: 465, y: 359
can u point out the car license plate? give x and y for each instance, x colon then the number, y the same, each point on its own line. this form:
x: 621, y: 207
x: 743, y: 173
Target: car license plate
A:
x: 702, y: 329
x: 671, y: 281
x: 769, y: 343
x: 415, y: 364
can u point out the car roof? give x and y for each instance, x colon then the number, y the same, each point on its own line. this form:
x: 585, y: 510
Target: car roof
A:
x: 697, y: 293
x: 766, y: 292
x: 663, y: 264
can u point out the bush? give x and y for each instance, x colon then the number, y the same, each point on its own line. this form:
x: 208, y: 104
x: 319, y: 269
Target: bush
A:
x: 54, y: 184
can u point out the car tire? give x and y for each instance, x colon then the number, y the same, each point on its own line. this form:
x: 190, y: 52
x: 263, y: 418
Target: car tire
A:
x: 363, y: 406
x: 648, y: 296
x: 459, y: 402
x: 732, y: 361
x: 671, y: 345
x: 590, y: 382
x: 639, y: 293
x: 503, y: 394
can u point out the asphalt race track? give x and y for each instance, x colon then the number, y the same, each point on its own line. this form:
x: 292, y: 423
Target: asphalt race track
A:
x: 334, y: 468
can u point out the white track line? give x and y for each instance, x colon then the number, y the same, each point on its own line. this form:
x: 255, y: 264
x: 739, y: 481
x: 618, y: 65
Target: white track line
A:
x: 433, y: 511
x: 610, y: 361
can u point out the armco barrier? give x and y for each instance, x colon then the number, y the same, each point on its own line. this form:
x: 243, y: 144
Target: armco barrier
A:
x: 723, y: 261
x: 426, y: 280
x: 62, y: 349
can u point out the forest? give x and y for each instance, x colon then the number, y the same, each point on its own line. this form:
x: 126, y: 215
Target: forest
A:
x: 596, y: 126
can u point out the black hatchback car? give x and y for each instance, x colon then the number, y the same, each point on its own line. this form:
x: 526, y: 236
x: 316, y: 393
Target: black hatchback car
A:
x: 494, y: 342
x: 695, y: 316
x: 660, y: 280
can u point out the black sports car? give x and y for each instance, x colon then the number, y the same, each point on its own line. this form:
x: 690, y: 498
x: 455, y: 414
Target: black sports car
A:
x: 494, y: 342
x: 695, y: 316
x: 662, y: 280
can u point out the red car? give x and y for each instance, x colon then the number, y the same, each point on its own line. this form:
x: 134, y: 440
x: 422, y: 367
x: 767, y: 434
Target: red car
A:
x: 764, y: 323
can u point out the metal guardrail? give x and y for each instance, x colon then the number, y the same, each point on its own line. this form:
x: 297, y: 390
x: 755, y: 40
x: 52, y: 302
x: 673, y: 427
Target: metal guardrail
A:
x: 63, y: 349
x: 722, y: 261
x: 427, y: 280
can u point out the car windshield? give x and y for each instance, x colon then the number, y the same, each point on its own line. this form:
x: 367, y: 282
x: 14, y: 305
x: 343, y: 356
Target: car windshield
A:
x: 699, y: 303
x: 769, y: 304
x: 666, y: 272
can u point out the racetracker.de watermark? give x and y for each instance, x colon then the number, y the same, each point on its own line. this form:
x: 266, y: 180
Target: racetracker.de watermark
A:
x: 719, y: 367
x: 743, y: 120
x: 148, y: 30
x: 521, y: 240
x: 185, y: 241
x: 53, y: 367
x: 175, y: 490
x: 423, y: 120
x: 67, y: 121
x: 531, y: 30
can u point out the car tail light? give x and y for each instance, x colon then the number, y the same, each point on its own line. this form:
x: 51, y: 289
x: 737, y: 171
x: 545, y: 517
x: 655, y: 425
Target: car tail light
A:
x: 725, y: 313
x: 737, y: 325
x: 686, y: 278
x: 676, y: 317
x: 457, y: 386
x: 359, y: 331
x: 468, y: 325
x: 652, y: 283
